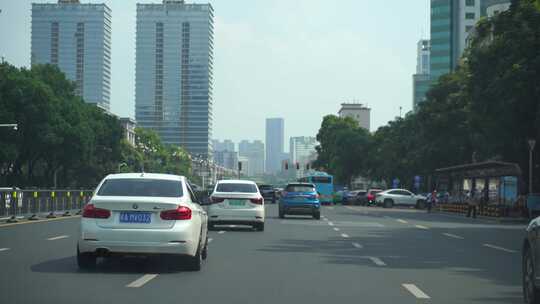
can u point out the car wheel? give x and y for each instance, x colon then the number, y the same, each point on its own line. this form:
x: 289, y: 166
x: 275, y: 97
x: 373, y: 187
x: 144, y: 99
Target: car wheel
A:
x: 420, y: 204
x: 531, y: 294
x: 204, y: 253
x: 194, y: 263
x: 388, y: 203
x: 259, y: 226
x: 317, y: 215
x: 86, y: 260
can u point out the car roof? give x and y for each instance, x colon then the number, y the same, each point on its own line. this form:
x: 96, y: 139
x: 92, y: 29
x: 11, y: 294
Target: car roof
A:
x: 235, y: 181
x: 146, y: 176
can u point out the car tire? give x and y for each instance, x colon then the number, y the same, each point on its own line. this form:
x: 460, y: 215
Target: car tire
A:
x: 317, y: 215
x: 194, y: 263
x: 531, y: 294
x: 420, y: 204
x: 259, y: 226
x: 388, y: 203
x: 204, y: 253
x: 86, y: 260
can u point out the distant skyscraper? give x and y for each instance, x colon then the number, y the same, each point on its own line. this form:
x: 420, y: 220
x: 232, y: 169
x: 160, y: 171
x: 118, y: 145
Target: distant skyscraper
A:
x: 254, y: 152
x: 227, y: 159
x: 174, y: 79
x: 451, y: 21
x: 421, y: 80
x: 358, y: 112
x: 275, y: 133
x: 76, y: 37
x: 226, y: 145
x: 302, y: 151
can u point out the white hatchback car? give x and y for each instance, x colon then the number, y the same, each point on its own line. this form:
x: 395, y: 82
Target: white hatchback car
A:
x: 236, y: 202
x: 143, y: 214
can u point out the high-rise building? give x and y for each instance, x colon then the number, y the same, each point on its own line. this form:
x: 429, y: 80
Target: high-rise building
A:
x: 227, y: 159
x: 76, y: 37
x: 275, y: 133
x: 358, y: 112
x: 421, y: 80
x: 491, y: 8
x: 226, y: 145
x: 254, y: 152
x: 174, y: 78
x: 451, y: 21
x: 302, y: 152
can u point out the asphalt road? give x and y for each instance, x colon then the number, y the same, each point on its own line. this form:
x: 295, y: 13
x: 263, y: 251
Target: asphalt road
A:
x: 351, y: 255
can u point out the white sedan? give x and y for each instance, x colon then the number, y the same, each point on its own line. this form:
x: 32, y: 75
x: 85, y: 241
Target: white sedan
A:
x: 237, y: 202
x: 392, y: 197
x: 143, y: 214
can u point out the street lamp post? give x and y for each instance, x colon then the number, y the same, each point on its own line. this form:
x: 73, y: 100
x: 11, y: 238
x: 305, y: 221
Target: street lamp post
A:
x: 532, y: 143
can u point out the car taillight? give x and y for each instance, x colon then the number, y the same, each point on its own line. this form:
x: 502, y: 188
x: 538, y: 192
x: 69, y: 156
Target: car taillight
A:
x: 180, y: 213
x: 257, y: 201
x: 90, y: 211
x: 215, y: 200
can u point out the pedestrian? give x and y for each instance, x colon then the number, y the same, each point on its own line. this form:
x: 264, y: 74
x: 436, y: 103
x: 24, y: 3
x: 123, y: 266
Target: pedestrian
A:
x: 432, y: 200
x: 472, y: 205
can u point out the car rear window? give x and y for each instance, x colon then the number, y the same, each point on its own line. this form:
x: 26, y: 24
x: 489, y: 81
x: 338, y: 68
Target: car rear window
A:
x: 231, y: 187
x: 141, y: 187
x: 263, y: 187
x: 300, y: 188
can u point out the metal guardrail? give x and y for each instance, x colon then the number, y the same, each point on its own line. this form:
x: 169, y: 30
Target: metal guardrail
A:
x: 36, y: 204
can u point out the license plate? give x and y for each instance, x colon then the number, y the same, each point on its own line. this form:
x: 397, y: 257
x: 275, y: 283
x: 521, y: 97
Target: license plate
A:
x: 135, y: 217
x: 237, y: 203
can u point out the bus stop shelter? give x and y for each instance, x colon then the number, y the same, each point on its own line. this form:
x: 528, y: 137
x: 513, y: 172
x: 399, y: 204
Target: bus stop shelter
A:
x: 496, y: 182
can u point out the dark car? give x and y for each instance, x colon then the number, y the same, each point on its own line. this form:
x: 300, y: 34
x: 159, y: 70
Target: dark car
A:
x: 268, y: 193
x: 356, y: 197
x: 531, y: 263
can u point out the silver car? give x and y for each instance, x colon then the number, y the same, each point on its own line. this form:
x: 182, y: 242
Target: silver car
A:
x: 391, y: 197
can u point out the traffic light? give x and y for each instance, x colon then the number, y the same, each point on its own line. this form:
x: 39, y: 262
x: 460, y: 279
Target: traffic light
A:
x: 239, y: 166
x: 307, y: 166
x: 286, y: 165
x: 297, y: 166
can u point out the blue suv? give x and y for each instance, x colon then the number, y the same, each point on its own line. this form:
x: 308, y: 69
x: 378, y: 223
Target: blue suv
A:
x: 300, y: 199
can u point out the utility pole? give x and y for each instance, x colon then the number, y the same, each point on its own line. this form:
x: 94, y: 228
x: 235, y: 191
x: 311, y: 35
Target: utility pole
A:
x: 532, y: 143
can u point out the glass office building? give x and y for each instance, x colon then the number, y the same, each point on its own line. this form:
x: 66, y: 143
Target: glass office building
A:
x: 77, y: 38
x: 275, y: 133
x: 174, y: 79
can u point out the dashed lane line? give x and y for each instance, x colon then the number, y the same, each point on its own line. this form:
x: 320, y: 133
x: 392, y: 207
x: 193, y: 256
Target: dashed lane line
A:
x: 402, y: 221
x: 4, y: 249
x: 210, y: 240
x: 421, y: 227
x: 221, y: 232
x: 419, y: 294
x: 54, y: 238
x: 499, y: 248
x: 141, y: 281
x: 453, y: 236
x: 344, y: 235
x: 336, y: 229
x: 356, y: 245
x: 330, y: 223
x: 377, y: 261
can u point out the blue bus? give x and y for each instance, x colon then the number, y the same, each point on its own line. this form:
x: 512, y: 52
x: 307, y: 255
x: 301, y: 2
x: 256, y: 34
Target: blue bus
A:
x: 324, y: 183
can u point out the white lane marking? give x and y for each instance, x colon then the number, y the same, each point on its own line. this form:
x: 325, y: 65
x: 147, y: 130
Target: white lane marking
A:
x: 402, y: 221
x: 210, y: 240
x: 141, y: 281
x: 221, y: 232
x: 54, y: 238
x: 453, y: 236
x: 421, y: 227
x: 331, y: 208
x: 377, y: 261
x: 4, y: 249
x: 325, y: 219
x: 344, y: 235
x: 356, y: 245
x: 499, y: 248
x: 336, y: 229
x: 232, y: 226
x: 419, y: 294
x: 330, y: 223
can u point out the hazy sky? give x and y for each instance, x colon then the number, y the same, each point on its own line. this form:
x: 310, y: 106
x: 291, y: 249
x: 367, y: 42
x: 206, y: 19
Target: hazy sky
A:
x: 296, y: 59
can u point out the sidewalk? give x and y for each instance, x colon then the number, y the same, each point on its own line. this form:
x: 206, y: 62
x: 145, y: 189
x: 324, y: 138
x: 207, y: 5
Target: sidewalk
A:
x: 501, y: 220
